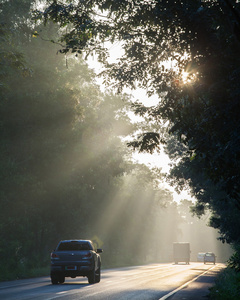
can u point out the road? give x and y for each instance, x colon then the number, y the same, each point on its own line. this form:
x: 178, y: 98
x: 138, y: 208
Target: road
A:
x: 149, y: 282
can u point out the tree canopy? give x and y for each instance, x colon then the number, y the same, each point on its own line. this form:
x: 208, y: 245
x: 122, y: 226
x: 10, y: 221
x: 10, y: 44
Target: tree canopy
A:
x: 187, y: 53
x: 65, y: 171
x: 64, y: 168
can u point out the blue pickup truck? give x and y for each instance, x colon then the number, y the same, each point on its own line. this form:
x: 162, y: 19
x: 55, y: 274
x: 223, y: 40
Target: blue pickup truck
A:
x: 74, y: 258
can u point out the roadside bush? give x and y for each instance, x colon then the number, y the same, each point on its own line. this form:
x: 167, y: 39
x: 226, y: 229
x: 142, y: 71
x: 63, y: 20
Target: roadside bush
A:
x: 227, y: 285
x: 234, y: 260
x: 21, y: 272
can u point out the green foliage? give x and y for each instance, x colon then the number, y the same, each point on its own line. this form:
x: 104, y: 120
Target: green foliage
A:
x: 161, y: 40
x: 64, y: 170
x: 227, y: 286
x: 234, y: 260
x: 148, y: 142
x: 202, y: 116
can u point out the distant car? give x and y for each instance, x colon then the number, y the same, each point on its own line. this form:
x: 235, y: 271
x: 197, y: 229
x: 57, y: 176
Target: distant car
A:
x: 74, y: 258
x: 209, y: 257
x: 200, y: 256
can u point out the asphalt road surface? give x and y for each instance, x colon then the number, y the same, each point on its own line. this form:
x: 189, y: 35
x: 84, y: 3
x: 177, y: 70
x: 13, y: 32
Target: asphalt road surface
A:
x: 149, y: 282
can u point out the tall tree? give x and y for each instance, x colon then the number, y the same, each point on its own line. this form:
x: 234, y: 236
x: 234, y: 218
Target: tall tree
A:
x: 64, y: 169
x: 48, y: 142
x: 199, y: 91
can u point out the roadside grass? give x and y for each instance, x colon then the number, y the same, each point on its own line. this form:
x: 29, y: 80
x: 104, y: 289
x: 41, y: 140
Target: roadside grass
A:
x: 38, y: 272
x: 227, y: 286
x: 22, y: 273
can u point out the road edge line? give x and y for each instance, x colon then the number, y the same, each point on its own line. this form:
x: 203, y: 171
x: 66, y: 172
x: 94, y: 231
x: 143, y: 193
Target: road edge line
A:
x: 185, y: 284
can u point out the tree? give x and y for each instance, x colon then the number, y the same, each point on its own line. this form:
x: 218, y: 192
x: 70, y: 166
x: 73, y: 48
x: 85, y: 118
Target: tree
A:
x: 65, y: 172
x: 53, y: 162
x: 199, y: 92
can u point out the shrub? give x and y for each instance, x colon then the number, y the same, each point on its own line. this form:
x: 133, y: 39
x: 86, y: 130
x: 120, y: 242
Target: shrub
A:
x: 234, y: 260
x: 227, y: 285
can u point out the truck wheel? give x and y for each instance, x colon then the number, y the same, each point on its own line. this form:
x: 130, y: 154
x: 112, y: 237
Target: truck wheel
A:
x: 92, y: 277
x: 98, y: 275
x: 61, y: 278
x: 54, y: 278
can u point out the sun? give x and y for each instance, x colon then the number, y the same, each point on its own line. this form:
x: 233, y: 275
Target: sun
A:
x: 185, y: 76
x: 188, y: 77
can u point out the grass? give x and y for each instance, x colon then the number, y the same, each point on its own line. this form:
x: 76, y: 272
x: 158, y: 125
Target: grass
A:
x: 227, y: 286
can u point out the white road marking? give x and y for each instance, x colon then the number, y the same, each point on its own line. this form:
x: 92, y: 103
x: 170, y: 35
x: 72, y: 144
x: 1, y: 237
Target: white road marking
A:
x: 184, y: 285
